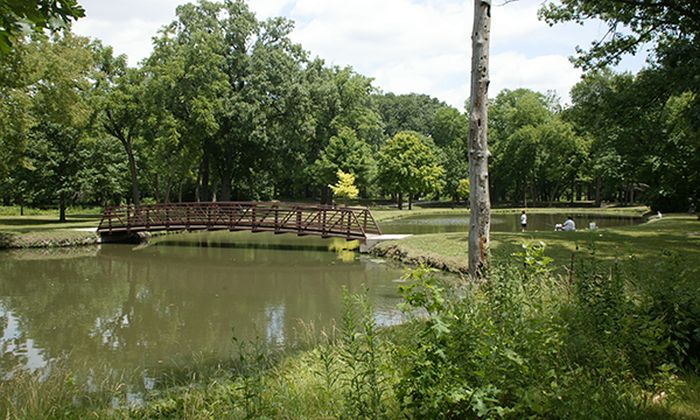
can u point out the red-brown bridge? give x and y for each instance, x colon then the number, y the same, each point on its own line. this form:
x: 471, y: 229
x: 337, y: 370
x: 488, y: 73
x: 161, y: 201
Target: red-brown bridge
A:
x: 302, y: 219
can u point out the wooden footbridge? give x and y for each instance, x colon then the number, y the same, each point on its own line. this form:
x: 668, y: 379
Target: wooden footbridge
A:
x: 277, y: 217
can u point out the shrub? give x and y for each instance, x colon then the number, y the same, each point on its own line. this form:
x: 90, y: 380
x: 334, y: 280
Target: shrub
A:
x: 601, y: 343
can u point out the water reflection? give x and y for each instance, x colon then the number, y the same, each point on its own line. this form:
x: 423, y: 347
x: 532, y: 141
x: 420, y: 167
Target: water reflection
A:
x: 137, y: 309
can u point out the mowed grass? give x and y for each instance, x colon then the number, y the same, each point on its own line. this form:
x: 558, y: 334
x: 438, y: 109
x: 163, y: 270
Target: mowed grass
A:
x: 41, y: 228
x: 385, y: 215
x: 644, y: 243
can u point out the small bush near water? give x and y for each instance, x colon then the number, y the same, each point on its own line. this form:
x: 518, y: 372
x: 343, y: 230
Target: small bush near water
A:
x: 603, y: 341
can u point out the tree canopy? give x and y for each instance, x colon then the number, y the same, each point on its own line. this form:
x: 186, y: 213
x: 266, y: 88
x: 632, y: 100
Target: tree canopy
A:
x: 19, y: 17
x: 227, y: 106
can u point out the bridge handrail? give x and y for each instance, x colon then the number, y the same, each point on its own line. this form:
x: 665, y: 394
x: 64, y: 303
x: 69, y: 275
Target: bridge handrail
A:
x: 326, y: 220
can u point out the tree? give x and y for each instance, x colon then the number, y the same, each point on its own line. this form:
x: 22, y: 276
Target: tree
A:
x: 514, y: 121
x: 670, y: 30
x: 60, y: 105
x: 479, y: 201
x: 345, y: 152
x: 102, y: 176
x: 187, y: 86
x: 38, y: 15
x: 411, y: 112
x: 449, y: 126
x: 644, y: 142
x: 19, y: 71
x: 631, y: 24
x: 345, y: 187
x: 600, y: 109
x: 454, y: 160
x: 408, y: 163
x: 122, y: 111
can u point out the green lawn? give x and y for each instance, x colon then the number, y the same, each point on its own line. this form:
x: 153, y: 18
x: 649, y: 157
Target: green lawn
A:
x: 384, y: 215
x: 645, y: 242
x: 44, y: 229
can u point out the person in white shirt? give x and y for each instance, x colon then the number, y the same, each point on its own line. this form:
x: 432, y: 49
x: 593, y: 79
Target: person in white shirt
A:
x: 523, y: 221
x: 569, y: 225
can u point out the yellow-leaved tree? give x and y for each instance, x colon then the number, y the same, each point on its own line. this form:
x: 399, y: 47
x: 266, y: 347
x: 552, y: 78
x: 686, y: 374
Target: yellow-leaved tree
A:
x: 345, y: 188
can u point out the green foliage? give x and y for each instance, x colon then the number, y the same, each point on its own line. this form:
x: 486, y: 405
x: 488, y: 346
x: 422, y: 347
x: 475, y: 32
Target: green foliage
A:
x: 533, y: 258
x: 345, y: 187
x: 463, y: 188
x: 227, y: 106
x: 363, y: 379
x: 449, y: 127
x: 661, y: 23
x: 20, y: 17
x: 347, y: 153
x: 634, y: 145
x: 527, y: 344
x: 411, y: 112
x: 644, y: 138
x: 535, y: 153
x: 408, y: 163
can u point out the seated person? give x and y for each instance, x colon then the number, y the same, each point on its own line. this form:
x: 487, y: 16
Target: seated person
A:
x: 569, y: 224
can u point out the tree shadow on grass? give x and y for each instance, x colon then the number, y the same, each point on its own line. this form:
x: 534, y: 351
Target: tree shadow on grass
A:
x: 26, y: 221
x: 605, y: 246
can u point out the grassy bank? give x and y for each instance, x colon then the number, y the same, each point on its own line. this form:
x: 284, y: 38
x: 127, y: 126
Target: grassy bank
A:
x: 41, y: 228
x: 385, y: 215
x: 645, y: 243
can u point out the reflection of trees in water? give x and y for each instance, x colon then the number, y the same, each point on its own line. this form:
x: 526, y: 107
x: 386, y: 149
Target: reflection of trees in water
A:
x: 160, y: 305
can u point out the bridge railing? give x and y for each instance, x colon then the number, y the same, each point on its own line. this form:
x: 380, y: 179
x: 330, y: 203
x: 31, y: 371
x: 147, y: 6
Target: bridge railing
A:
x: 303, y: 219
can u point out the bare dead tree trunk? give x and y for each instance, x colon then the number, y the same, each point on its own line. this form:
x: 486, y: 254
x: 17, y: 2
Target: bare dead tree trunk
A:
x: 479, y: 201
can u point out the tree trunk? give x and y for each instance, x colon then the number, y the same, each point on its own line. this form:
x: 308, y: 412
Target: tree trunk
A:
x: 135, y: 194
x: 479, y: 202
x: 157, y: 189
x: 598, y: 185
x: 225, y: 186
x: 326, y: 195
x: 410, y: 201
x: 203, y: 179
x: 632, y: 193
x: 399, y: 200
x: 62, y: 208
x: 167, y: 192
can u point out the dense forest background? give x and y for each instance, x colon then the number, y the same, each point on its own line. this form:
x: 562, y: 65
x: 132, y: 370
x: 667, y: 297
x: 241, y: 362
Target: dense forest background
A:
x: 227, y: 107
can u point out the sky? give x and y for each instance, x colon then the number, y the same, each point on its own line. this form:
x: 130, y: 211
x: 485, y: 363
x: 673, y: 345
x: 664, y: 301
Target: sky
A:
x: 407, y: 46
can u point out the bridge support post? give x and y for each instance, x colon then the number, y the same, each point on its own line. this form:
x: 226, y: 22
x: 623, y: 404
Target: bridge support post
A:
x: 253, y: 223
x: 298, y: 222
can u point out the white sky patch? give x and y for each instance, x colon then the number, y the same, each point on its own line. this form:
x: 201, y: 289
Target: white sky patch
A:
x: 542, y: 73
x: 419, y: 46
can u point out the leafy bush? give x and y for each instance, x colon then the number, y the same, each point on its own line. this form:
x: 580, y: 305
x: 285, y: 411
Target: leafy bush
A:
x: 529, y: 343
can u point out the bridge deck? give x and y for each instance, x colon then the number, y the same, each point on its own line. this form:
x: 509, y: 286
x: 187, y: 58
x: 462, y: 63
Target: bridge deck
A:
x: 302, y: 219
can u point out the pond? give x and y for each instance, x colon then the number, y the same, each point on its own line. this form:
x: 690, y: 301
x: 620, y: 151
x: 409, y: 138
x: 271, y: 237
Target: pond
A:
x: 145, y: 308
x: 499, y: 223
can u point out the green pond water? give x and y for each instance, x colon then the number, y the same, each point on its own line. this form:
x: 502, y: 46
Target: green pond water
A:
x: 179, y: 299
